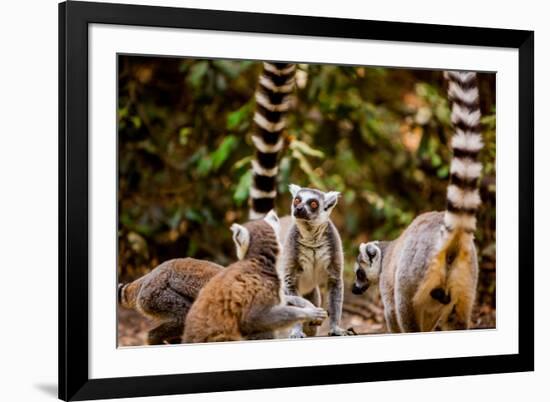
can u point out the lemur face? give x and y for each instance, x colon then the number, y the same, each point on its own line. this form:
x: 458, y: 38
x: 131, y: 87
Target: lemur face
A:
x: 312, y: 205
x: 367, y: 267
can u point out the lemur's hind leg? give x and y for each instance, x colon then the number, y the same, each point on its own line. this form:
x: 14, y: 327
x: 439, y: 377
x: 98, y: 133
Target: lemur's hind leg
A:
x: 172, y: 307
x: 314, y: 297
x: 432, y: 295
x: 406, y: 315
x: 462, y: 287
x: 169, y: 332
x: 391, y: 321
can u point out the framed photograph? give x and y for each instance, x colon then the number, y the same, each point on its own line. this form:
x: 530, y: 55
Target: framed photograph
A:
x: 257, y: 200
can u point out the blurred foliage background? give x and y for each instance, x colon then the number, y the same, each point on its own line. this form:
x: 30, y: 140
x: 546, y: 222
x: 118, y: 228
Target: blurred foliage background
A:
x: 378, y: 135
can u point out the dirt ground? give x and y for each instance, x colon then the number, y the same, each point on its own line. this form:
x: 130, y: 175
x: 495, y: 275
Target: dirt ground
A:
x: 364, y: 314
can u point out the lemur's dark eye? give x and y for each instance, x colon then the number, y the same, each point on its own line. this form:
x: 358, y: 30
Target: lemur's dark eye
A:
x: 297, y: 200
x: 313, y: 204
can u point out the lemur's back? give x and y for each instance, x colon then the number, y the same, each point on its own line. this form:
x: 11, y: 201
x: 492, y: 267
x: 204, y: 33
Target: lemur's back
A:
x: 414, y: 248
x: 181, y: 277
x: 225, y: 299
x: 166, y: 293
x: 190, y: 275
x: 407, y: 268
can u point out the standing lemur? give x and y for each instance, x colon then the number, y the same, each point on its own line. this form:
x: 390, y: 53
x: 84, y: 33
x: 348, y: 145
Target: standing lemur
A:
x: 428, y: 275
x: 313, y: 256
x: 246, y: 300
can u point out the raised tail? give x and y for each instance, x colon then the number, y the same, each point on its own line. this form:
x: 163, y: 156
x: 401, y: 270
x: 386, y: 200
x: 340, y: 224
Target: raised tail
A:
x: 273, y: 100
x: 462, y: 192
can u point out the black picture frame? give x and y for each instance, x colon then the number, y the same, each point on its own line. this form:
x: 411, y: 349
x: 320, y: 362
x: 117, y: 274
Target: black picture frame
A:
x: 74, y: 18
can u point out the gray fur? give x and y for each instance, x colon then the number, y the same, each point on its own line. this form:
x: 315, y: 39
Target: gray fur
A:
x: 313, y: 256
x: 166, y: 294
x: 267, y: 319
x: 401, y: 270
x: 431, y: 270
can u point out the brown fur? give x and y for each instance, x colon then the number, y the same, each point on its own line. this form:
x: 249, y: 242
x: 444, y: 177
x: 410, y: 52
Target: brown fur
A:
x: 166, y: 293
x: 422, y: 259
x: 245, y: 300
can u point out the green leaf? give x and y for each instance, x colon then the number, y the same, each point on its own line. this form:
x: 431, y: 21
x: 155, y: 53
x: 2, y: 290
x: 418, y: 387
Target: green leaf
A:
x: 197, y: 73
x: 242, y: 162
x: 136, y: 121
x: 241, y: 191
x: 436, y: 160
x: 193, y: 215
x: 443, y: 172
x: 220, y: 155
x: 306, y: 149
x: 184, y: 134
x: 122, y: 112
x: 308, y: 170
x: 234, y: 119
x: 228, y: 67
x: 204, y: 166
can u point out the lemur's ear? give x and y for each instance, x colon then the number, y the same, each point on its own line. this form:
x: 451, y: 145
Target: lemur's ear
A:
x: 294, y: 189
x: 331, y: 198
x: 241, y: 237
x: 363, y: 252
x: 369, y: 251
x: 273, y: 220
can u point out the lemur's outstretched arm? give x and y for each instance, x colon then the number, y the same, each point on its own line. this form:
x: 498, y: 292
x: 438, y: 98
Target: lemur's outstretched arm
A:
x: 276, y: 317
x: 297, y: 301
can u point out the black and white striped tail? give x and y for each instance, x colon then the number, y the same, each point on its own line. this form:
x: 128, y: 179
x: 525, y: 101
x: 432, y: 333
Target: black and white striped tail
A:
x: 462, y: 192
x: 273, y: 100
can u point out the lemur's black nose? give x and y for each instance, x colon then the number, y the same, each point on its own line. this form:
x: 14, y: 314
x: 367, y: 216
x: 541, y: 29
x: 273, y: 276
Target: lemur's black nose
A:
x: 359, y: 290
x: 300, y: 211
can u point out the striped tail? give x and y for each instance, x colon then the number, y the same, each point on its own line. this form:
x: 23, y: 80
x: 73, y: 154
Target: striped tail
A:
x: 462, y: 192
x: 273, y: 100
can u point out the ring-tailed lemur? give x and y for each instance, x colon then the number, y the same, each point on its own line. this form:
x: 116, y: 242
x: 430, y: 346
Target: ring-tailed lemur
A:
x: 429, y: 274
x: 313, y: 256
x: 273, y: 100
x: 246, y: 300
x: 166, y: 294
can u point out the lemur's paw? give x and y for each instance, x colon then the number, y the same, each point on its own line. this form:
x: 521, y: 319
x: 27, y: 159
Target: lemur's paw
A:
x: 337, y: 331
x: 317, y: 314
x: 296, y: 334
